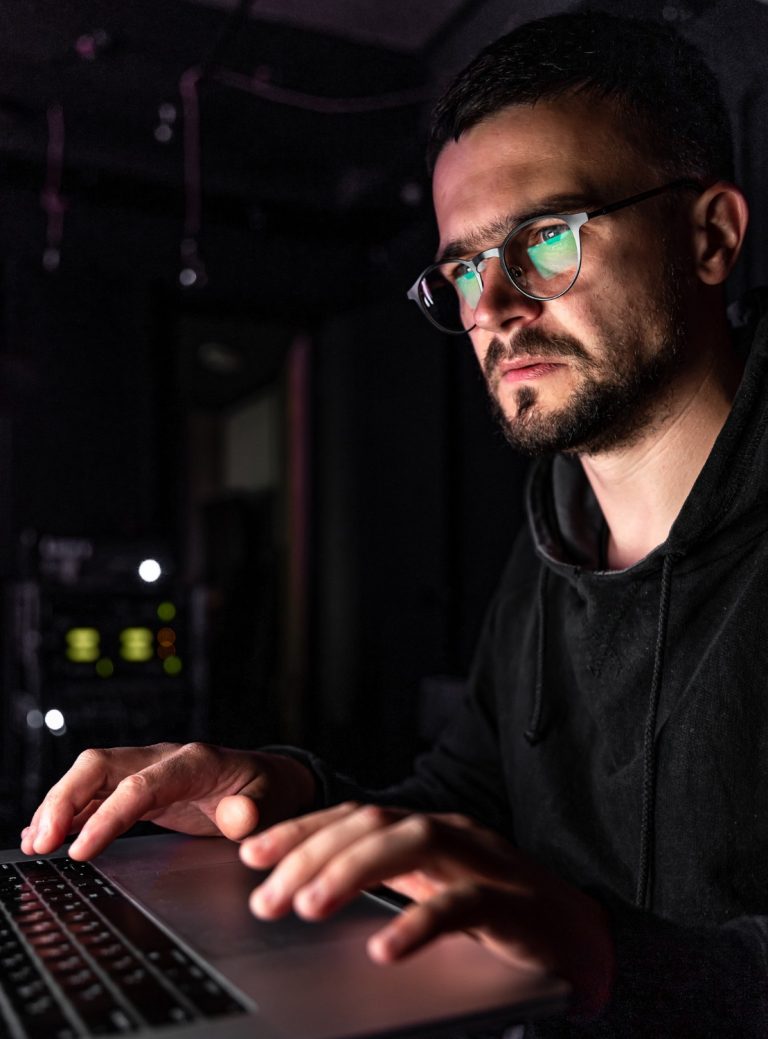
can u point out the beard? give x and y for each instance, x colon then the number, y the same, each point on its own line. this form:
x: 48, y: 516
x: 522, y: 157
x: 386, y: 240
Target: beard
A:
x: 622, y: 383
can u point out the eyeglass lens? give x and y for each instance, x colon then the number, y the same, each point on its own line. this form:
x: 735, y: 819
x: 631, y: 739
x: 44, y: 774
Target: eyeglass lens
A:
x: 542, y: 259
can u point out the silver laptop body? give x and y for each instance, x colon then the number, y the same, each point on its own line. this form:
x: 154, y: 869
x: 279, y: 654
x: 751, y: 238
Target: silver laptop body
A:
x: 299, y: 980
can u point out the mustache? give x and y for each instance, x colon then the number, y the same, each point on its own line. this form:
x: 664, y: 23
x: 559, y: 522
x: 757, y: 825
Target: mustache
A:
x: 532, y: 342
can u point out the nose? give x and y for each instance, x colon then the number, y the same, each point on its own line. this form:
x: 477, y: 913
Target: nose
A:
x: 501, y: 306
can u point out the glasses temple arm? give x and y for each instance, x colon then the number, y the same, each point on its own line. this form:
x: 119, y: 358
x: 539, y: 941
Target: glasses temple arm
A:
x: 685, y: 182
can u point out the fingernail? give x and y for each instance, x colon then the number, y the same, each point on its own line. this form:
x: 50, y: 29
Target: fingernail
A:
x: 266, y: 898
x: 252, y: 847
x: 75, y: 846
x: 43, y: 831
x: 310, y: 897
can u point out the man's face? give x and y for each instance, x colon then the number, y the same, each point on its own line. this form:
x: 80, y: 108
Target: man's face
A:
x: 592, y: 370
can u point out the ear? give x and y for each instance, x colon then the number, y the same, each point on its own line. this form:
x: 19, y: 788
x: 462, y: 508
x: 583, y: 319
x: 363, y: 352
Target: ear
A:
x: 720, y: 216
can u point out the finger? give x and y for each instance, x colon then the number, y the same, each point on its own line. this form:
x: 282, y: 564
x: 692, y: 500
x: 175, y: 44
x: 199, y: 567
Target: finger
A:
x: 417, y: 885
x: 422, y: 923
x: 82, y: 817
x: 454, y: 909
x: 186, y: 773
x: 268, y: 848
x: 301, y: 865
x: 94, y: 773
x: 415, y: 843
x: 237, y: 816
x: 77, y: 823
x: 29, y: 833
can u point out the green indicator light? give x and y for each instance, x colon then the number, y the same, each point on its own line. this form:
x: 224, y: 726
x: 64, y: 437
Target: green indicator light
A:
x: 172, y: 665
x: 83, y: 645
x: 105, y: 668
x: 166, y: 611
x: 136, y: 645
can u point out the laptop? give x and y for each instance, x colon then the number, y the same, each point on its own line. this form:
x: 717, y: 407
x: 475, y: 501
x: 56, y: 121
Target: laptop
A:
x: 154, y: 938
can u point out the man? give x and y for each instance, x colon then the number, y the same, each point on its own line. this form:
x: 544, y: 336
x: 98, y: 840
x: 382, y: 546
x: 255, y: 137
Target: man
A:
x: 607, y: 769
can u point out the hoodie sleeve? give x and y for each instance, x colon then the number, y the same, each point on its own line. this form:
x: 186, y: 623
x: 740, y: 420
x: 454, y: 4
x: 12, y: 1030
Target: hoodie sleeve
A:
x: 676, y: 982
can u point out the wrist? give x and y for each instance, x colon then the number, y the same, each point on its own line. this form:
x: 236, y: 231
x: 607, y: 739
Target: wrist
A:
x: 591, y: 967
x: 294, y: 783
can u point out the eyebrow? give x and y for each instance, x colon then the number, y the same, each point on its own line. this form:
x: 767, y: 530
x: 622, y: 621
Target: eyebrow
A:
x: 496, y: 230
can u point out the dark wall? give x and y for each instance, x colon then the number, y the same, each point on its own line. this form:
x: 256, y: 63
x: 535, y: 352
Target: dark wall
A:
x: 82, y: 388
x: 418, y: 500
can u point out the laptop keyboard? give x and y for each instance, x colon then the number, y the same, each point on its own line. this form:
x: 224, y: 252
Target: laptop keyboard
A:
x: 78, y: 958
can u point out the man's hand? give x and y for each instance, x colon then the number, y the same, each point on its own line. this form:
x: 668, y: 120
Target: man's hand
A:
x: 461, y: 876
x: 194, y: 788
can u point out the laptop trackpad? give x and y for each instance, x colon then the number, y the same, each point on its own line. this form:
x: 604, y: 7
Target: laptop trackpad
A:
x: 208, y: 905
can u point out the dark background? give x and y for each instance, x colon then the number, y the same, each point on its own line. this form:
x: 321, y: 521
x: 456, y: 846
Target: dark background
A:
x: 313, y: 466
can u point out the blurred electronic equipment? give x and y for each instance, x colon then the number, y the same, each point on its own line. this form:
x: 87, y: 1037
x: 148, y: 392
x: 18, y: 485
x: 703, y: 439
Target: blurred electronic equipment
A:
x: 103, y: 647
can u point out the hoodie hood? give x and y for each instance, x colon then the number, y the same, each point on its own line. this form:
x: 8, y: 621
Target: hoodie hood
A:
x: 725, y: 508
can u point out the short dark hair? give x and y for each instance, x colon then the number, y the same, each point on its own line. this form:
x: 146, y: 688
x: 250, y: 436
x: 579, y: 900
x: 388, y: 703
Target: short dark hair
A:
x: 654, y: 78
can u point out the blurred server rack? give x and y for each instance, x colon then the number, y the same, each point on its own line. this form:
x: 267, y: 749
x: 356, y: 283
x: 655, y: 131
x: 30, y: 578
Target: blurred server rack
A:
x: 103, y: 647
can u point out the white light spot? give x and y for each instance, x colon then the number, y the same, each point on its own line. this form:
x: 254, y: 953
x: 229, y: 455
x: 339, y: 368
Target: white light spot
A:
x: 150, y: 570
x: 35, y: 719
x: 188, y: 277
x: 411, y: 193
x: 54, y: 720
x: 51, y: 259
x: 167, y: 112
x: 163, y: 133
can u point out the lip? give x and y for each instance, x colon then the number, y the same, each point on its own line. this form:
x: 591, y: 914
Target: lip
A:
x: 527, y: 368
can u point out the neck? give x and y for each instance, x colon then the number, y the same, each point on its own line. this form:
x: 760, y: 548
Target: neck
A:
x: 642, y: 487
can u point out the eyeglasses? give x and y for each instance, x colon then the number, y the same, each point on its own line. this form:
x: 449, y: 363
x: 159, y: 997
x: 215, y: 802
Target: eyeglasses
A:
x: 540, y: 256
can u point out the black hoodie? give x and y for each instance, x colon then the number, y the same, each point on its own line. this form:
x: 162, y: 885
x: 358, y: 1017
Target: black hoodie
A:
x: 616, y: 729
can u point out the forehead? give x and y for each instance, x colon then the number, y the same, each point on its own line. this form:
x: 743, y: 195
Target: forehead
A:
x: 509, y: 163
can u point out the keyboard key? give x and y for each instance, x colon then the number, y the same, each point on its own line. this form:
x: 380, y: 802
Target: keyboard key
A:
x: 98, y: 1009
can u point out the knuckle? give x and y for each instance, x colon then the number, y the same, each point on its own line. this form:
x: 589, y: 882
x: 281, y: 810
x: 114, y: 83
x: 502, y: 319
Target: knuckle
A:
x: 461, y: 821
x: 422, y: 827
x: 291, y: 831
x: 164, y: 749
x: 303, y: 857
x: 91, y: 756
x: 135, y: 786
x: 201, y: 754
x: 375, y: 816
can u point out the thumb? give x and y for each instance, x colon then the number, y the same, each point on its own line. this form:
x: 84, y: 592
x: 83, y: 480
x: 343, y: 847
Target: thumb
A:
x: 237, y: 816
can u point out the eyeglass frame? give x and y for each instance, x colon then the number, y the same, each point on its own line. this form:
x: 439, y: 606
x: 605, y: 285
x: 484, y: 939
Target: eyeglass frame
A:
x: 575, y: 222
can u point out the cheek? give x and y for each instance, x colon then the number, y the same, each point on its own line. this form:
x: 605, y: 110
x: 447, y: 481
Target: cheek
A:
x: 622, y: 295
x: 625, y: 261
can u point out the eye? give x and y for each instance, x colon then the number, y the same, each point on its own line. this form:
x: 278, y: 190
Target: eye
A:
x: 549, y: 232
x: 468, y: 286
x: 454, y: 272
x: 464, y: 280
